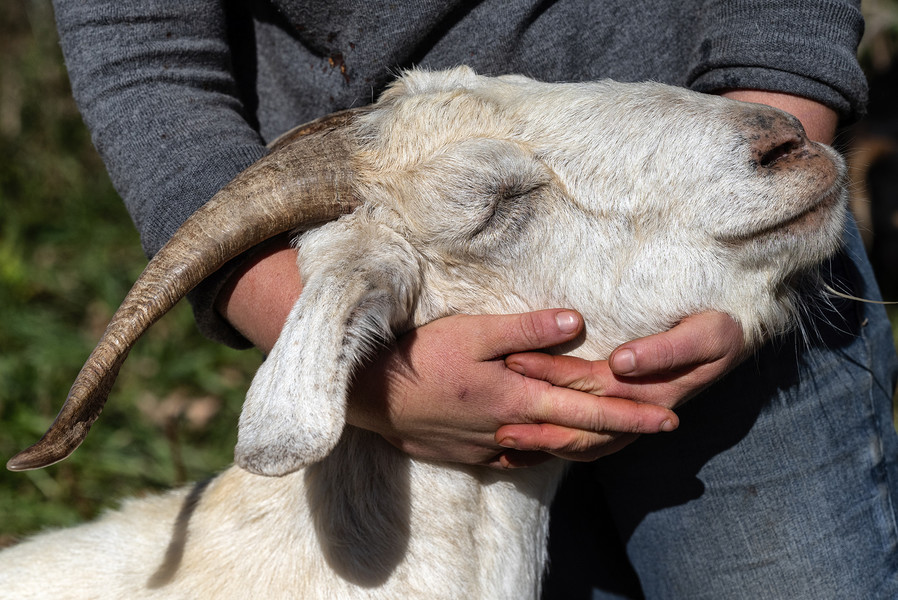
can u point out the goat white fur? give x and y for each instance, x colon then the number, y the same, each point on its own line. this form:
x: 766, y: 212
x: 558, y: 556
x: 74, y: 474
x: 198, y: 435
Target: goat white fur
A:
x: 636, y: 204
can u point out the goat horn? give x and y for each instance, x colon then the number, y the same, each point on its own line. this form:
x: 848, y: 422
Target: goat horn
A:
x: 305, y: 179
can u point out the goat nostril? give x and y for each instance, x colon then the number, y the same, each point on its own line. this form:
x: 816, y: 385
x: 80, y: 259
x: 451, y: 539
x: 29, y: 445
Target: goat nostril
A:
x: 779, y: 151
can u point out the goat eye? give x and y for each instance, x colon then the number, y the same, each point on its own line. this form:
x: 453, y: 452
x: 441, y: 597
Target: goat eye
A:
x: 509, y: 206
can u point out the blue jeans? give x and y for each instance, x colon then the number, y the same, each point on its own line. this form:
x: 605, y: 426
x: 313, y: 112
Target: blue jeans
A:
x: 781, y: 482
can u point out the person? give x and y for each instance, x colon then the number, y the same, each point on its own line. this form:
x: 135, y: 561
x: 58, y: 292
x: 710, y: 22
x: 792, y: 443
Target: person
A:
x: 781, y: 479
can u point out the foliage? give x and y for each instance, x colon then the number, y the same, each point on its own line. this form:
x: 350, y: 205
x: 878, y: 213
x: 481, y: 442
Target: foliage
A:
x: 68, y: 254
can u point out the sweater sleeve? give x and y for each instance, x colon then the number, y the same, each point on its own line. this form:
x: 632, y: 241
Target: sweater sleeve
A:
x: 154, y: 84
x: 803, y: 47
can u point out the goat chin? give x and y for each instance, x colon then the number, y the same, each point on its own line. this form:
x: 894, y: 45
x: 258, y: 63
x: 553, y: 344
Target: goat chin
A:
x: 636, y: 204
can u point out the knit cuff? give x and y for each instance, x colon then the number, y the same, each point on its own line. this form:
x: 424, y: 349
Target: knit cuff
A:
x: 812, y: 44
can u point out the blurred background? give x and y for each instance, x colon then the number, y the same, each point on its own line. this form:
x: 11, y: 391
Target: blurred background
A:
x: 69, y: 253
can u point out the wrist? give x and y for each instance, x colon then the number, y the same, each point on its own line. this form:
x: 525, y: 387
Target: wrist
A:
x: 258, y: 297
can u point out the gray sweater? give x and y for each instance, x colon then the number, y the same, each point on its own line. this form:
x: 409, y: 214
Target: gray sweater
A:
x: 181, y: 96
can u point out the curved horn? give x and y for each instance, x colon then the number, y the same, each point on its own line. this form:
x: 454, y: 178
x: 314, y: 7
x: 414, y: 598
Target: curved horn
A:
x: 305, y: 179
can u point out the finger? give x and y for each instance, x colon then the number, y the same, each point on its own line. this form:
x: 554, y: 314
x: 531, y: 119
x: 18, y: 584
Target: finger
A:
x: 592, y: 377
x: 564, y: 371
x: 595, y: 377
x: 563, y: 442
x: 698, y: 339
x: 498, y: 335
x: 578, y: 410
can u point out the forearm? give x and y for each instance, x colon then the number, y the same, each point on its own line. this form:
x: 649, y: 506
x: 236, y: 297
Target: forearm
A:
x: 819, y: 121
x: 153, y: 82
x: 258, y: 297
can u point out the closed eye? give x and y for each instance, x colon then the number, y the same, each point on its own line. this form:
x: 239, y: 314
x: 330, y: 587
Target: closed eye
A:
x: 512, y: 206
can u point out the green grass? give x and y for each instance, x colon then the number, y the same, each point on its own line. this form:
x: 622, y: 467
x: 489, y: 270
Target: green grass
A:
x: 68, y: 254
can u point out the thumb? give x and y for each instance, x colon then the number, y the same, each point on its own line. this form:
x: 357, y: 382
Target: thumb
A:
x: 704, y: 338
x: 499, y: 335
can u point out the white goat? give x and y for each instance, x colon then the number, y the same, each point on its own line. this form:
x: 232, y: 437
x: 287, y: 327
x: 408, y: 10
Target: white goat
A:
x: 635, y: 204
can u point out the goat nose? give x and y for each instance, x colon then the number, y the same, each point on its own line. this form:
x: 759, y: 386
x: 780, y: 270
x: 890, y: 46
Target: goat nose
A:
x: 771, y: 152
x: 776, y: 138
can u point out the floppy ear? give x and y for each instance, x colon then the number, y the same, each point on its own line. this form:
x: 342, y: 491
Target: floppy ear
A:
x: 361, y: 281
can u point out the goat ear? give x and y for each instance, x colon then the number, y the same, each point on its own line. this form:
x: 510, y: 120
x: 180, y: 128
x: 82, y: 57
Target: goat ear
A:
x: 360, y: 288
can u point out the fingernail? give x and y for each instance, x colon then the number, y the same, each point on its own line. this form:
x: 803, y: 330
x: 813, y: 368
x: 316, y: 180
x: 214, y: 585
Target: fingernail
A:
x: 508, y: 442
x: 516, y: 367
x: 668, y: 425
x: 623, y: 362
x: 567, y: 321
x: 506, y: 463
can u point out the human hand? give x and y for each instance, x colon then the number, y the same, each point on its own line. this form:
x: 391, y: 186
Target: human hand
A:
x: 665, y: 369
x: 445, y: 389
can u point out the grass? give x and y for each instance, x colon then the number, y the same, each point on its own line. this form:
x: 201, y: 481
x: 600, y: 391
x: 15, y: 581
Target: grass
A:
x: 68, y: 254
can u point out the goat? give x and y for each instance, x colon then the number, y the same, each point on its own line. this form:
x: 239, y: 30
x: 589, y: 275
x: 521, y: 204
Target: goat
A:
x: 459, y: 194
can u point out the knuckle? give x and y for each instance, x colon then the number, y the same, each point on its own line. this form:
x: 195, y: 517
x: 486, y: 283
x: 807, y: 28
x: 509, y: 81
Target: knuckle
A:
x: 553, y: 439
x: 599, y: 418
x: 592, y: 447
x: 531, y: 330
x: 581, y: 446
x: 538, y: 401
x: 634, y: 424
x: 665, y: 354
x: 720, y: 338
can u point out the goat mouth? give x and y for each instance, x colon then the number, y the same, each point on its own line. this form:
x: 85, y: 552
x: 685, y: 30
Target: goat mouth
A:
x: 803, y: 222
